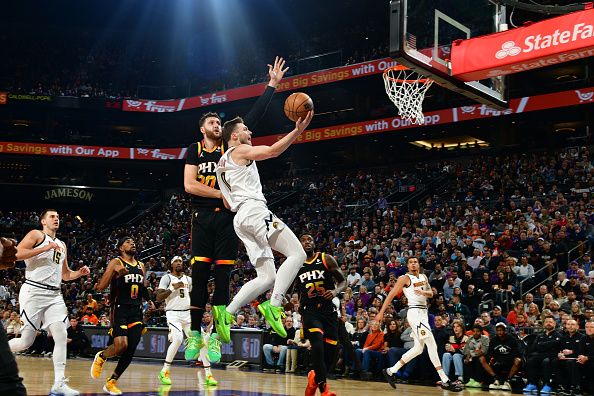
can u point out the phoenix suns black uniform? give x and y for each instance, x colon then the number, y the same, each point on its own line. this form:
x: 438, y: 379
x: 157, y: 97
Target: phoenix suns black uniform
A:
x: 318, y: 313
x: 127, y: 292
x: 213, y: 238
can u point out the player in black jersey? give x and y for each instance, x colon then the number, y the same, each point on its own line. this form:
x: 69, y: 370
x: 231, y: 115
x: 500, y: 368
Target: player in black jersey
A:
x: 125, y: 275
x: 319, y: 281
x: 213, y: 237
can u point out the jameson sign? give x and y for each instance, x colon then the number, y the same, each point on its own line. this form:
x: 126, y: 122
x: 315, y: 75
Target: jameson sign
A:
x: 68, y: 192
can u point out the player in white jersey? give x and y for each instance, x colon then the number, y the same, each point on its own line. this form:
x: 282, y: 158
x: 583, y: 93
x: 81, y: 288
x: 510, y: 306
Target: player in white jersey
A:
x: 415, y: 287
x: 174, y: 289
x: 258, y: 228
x: 40, y: 297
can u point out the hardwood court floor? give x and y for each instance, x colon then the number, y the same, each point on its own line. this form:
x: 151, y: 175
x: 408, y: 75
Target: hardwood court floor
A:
x: 141, y: 379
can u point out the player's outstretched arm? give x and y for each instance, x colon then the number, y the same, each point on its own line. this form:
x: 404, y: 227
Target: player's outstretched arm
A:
x: 26, y: 250
x: 260, y: 153
x: 396, y: 291
x: 276, y: 71
x: 69, y: 275
x: 337, y: 275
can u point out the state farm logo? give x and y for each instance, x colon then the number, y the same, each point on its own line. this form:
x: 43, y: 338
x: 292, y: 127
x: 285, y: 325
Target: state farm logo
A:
x: 509, y: 48
x: 584, y: 97
x: 133, y: 103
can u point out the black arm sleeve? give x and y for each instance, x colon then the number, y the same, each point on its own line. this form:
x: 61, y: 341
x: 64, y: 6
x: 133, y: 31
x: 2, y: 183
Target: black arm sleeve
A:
x: 257, y: 111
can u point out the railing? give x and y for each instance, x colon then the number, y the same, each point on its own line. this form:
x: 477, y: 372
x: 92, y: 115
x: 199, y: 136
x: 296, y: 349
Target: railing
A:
x: 580, y: 250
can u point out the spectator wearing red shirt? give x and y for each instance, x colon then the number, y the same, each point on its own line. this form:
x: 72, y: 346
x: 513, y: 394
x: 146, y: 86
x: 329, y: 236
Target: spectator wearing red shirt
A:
x: 373, y: 349
x: 90, y: 318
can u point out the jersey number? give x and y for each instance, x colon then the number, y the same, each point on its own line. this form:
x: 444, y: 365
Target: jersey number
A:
x: 57, y: 256
x: 182, y: 292
x: 134, y: 291
x: 207, y: 180
x: 315, y: 289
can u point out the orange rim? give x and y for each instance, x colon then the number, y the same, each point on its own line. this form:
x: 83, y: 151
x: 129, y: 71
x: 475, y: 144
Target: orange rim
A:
x: 399, y: 80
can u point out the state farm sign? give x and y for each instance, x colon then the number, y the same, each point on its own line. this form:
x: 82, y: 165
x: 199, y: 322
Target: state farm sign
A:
x: 552, y: 41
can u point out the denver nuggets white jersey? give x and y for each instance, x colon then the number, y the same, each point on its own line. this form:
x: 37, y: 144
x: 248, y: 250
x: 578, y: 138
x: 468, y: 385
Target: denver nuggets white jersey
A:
x: 416, y: 283
x: 179, y: 299
x: 239, y: 183
x: 46, y: 267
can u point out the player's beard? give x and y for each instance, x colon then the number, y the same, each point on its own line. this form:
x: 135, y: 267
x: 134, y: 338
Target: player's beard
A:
x: 211, y: 134
x: 130, y: 252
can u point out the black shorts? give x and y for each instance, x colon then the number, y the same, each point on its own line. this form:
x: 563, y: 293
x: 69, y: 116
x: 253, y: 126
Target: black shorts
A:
x: 124, y: 317
x: 213, y: 237
x: 322, y: 322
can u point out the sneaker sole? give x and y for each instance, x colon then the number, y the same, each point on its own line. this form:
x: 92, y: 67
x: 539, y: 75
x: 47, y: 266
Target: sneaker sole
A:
x: 111, y: 393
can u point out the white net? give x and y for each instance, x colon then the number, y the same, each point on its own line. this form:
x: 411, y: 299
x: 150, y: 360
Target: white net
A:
x: 407, y: 89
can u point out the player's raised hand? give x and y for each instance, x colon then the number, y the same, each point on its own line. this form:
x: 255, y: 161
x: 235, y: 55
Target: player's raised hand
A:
x: 277, y: 71
x: 84, y: 271
x: 302, y: 124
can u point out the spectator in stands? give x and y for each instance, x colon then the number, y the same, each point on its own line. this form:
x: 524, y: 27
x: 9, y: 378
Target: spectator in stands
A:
x: 91, y: 302
x: 586, y: 360
x: 534, y: 315
x: 13, y: 328
x: 90, y: 318
x: 393, y: 345
x: 277, y: 345
x: 77, y: 341
x: 458, y: 310
x: 571, y: 345
x: 488, y: 324
x: 559, y: 295
x: 454, y: 351
x: 104, y: 321
x: 448, y: 288
x: 542, y: 352
x: 476, y: 346
x: 512, y: 317
x: 571, y: 298
x: 354, y: 279
x: 6, y: 318
x: 504, y: 359
x: 372, y: 351
x: 496, y: 316
x: 367, y: 281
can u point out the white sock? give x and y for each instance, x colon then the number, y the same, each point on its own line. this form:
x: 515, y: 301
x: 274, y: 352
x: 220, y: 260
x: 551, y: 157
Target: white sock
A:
x: 394, y: 369
x: 207, y: 371
x: 176, y: 341
x: 443, y: 376
x: 60, y: 335
x: 166, y: 367
x: 286, y: 243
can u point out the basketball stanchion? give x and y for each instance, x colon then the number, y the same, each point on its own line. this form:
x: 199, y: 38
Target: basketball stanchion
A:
x: 406, y: 89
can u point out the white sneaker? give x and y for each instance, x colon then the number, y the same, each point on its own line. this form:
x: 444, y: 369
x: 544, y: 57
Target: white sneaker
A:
x: 61, y: 388
x: 495, y: 385
x: 505, y: 387
x: 48, y: 354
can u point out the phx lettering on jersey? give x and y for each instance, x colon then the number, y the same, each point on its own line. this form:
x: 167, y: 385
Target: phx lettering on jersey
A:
x: 207, y: 167
x: 311, y: 275
x: 133, y: 278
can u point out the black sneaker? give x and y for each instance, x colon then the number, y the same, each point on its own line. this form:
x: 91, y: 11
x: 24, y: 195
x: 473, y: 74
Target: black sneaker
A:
x: 451, y: 386
x: 390, y: 378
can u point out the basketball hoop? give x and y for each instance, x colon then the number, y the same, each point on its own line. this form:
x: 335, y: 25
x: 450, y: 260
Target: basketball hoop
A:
x: 406, y: 88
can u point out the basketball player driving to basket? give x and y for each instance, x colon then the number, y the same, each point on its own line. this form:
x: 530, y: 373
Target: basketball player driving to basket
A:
x: 258, y: 228
x: 415, y: 287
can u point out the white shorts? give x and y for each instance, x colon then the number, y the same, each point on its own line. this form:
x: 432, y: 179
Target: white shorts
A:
x: 418, y: 320
x: 254, y: 224
x: 178, y: 322
x: 40, y: 308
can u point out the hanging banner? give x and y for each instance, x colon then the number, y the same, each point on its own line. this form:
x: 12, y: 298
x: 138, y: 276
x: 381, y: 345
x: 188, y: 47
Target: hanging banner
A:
x: 545, y: 43
x: 251, y: 91
x: 439, y: 117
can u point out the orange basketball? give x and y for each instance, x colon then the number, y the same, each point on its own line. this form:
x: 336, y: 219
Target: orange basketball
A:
x: 297, y: 105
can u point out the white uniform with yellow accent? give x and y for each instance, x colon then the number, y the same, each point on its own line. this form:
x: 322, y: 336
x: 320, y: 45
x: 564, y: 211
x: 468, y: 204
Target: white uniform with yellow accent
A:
x: 40, y: 297
x: 254, y: 224
x: 417, y: 315
x: 177, y: 304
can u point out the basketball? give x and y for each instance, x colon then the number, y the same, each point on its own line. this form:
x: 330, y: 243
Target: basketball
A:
x: 297, y: 105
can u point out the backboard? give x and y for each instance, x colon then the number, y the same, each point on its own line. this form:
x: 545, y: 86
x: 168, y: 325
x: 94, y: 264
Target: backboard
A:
x: 421, y: 36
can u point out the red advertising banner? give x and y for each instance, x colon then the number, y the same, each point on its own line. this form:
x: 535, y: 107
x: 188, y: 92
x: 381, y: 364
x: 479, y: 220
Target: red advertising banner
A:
x: 3, y: 98
x: 290, y: 83
x: 439, y: 117
x: 549, y: 42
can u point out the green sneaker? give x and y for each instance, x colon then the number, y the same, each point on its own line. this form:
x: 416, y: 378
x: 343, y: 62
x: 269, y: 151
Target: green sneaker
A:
x: 222, y: 321
x: 193, y: 345
x: 473, y: 384
x: 210, y: 381
x: 164, y: 377
x: 214, y: 348
x: 273, y: 316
